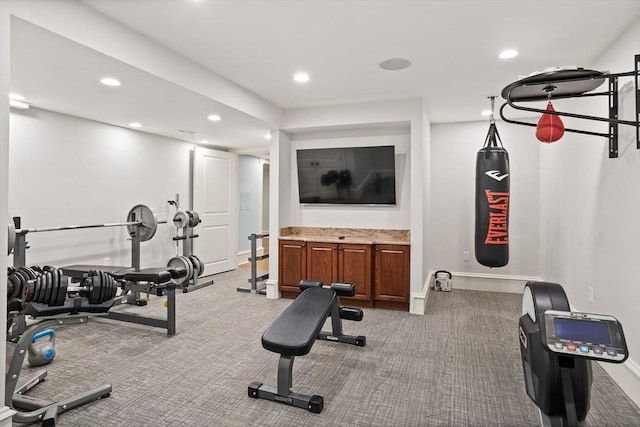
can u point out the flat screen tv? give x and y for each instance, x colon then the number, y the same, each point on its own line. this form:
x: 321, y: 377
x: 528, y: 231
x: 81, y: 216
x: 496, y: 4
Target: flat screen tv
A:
x: 347, y: 175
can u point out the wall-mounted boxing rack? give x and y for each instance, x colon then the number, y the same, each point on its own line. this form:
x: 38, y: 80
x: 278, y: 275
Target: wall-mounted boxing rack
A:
x: 575, y: 83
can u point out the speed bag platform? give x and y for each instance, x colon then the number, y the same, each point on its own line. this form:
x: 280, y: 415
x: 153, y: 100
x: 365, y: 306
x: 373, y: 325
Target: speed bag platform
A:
x: 492, y: 202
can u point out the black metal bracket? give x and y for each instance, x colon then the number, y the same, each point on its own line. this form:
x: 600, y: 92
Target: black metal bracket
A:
x: 572, y: 88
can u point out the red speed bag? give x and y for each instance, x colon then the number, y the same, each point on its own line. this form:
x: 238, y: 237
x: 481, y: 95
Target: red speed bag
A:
x: 550, y: 127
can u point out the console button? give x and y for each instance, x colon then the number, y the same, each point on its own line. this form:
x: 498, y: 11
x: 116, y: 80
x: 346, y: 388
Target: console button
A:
x: 571, y: 347
x: 597, y: 350
x: 584, y: 348
x: 559, y: 345
x: 611, y: 352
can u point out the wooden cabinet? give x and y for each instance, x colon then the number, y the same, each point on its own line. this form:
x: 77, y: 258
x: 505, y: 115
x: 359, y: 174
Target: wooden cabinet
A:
x: 380, y: 272
x: 391, y: 277
x: 354, y: 266
x: 341, y: 262
x: 322, y: 262
x: 292, y: 259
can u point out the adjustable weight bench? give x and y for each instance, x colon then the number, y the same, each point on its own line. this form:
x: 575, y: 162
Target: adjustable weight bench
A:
x: 158, y: 280
x: 294, y: 332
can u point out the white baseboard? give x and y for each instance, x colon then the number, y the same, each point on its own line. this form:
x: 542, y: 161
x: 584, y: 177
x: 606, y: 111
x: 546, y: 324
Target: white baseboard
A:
x: 490, y: 282
x: 272, y: 289
x: 418, y: 300
x: 627, y: 376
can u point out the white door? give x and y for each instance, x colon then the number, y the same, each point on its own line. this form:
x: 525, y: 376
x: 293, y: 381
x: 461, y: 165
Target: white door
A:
x: 215, y: 188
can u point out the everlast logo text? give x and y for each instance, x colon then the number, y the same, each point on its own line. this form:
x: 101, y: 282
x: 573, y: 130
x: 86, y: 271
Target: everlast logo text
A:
x: 283, y: 399
x: 498, y: 207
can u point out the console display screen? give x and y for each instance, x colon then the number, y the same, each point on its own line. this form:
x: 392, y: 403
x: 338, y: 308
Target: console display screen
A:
x: 582, y: 330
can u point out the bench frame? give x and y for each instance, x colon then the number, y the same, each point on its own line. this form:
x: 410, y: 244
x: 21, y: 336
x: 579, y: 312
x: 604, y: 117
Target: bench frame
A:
x: 283, y: 393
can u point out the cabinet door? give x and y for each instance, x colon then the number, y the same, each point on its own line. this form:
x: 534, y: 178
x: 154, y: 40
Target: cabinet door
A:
x: 354, y: 266
x: 322, y: 262
x: 391, y: 281
x: 292, y: 265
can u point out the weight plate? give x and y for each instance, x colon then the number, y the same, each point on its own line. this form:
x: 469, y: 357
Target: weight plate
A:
x: 94, y: 297
x: 47, y: 284
x: 53, y: 293
x: 179, y: 262
x: 9, y: 287
x: 29, y: 290
x: 63, y: 283
x: 112, y: 282
x: 181, y: 219
x: 103, y: 287
x: 28, y: 272
x: 39, y: 287
x: 189, y: 266
x: 22, y: 280
x: 196, y: 265
x: 16, y: 285
x: 201, y: 271
x: 196, y: 219
x: 10, y: 270
x: 11, y: 235
x: 149, y: 222
x: 36, y: 291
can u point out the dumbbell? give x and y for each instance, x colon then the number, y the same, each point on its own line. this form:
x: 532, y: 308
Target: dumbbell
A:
x: 194, y: 218
x: 97, y: 287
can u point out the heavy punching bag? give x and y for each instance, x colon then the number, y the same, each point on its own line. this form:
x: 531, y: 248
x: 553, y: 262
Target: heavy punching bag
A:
x: 492, y: 202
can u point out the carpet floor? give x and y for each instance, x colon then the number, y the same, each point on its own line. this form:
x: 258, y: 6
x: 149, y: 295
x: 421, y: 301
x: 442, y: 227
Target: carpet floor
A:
x: 458, y: 365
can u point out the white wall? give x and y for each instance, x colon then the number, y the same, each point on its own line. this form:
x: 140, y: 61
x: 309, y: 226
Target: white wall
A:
x: 454, y: 148
x: 385, y: 217
x: 590, y: 210
x: 5, y: 50
x: 69, y: 171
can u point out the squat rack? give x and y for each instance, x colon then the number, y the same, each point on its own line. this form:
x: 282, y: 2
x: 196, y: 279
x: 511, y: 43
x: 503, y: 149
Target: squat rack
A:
x: 575, y: 83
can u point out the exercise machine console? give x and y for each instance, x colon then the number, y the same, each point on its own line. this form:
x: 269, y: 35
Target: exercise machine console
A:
x: 557, y: 347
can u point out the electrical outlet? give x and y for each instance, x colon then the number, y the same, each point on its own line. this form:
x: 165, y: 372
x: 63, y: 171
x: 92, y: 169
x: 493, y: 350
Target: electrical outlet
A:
x: 466, y: 255
x: 590, y: 289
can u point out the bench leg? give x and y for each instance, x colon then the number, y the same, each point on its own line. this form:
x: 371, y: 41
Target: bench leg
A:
x: 336, y: 330
x: 283, y: 393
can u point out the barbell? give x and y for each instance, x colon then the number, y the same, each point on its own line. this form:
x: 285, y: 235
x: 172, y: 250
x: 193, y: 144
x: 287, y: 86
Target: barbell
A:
x: 141, y: 222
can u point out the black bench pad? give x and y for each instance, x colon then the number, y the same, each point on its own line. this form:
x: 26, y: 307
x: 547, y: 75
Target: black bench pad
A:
x: 298, y: 326
x: 79, y: 270
x: 153, y: 275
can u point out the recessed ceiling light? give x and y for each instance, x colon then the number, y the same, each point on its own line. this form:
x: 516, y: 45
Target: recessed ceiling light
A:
x: 301, y: 77
x: 135, y: 125
x: 509, y: 53
x: 204, y: 141
x: 108, y: 81
x: 486, y: 113
x: 214, y: 117
x: 395, y: 64
x: 267, y: 135
x: 17, y: 97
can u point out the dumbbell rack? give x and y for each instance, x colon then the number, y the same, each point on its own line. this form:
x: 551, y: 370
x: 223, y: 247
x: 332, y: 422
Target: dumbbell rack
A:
x: 186, y: 238
x: 254, y: 289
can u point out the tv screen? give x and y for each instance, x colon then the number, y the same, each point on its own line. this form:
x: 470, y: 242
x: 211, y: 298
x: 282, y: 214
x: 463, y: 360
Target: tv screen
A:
x: 350, y: 175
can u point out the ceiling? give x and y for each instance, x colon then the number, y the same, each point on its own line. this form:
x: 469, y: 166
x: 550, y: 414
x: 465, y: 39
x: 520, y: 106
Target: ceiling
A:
x: 453, y: 47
